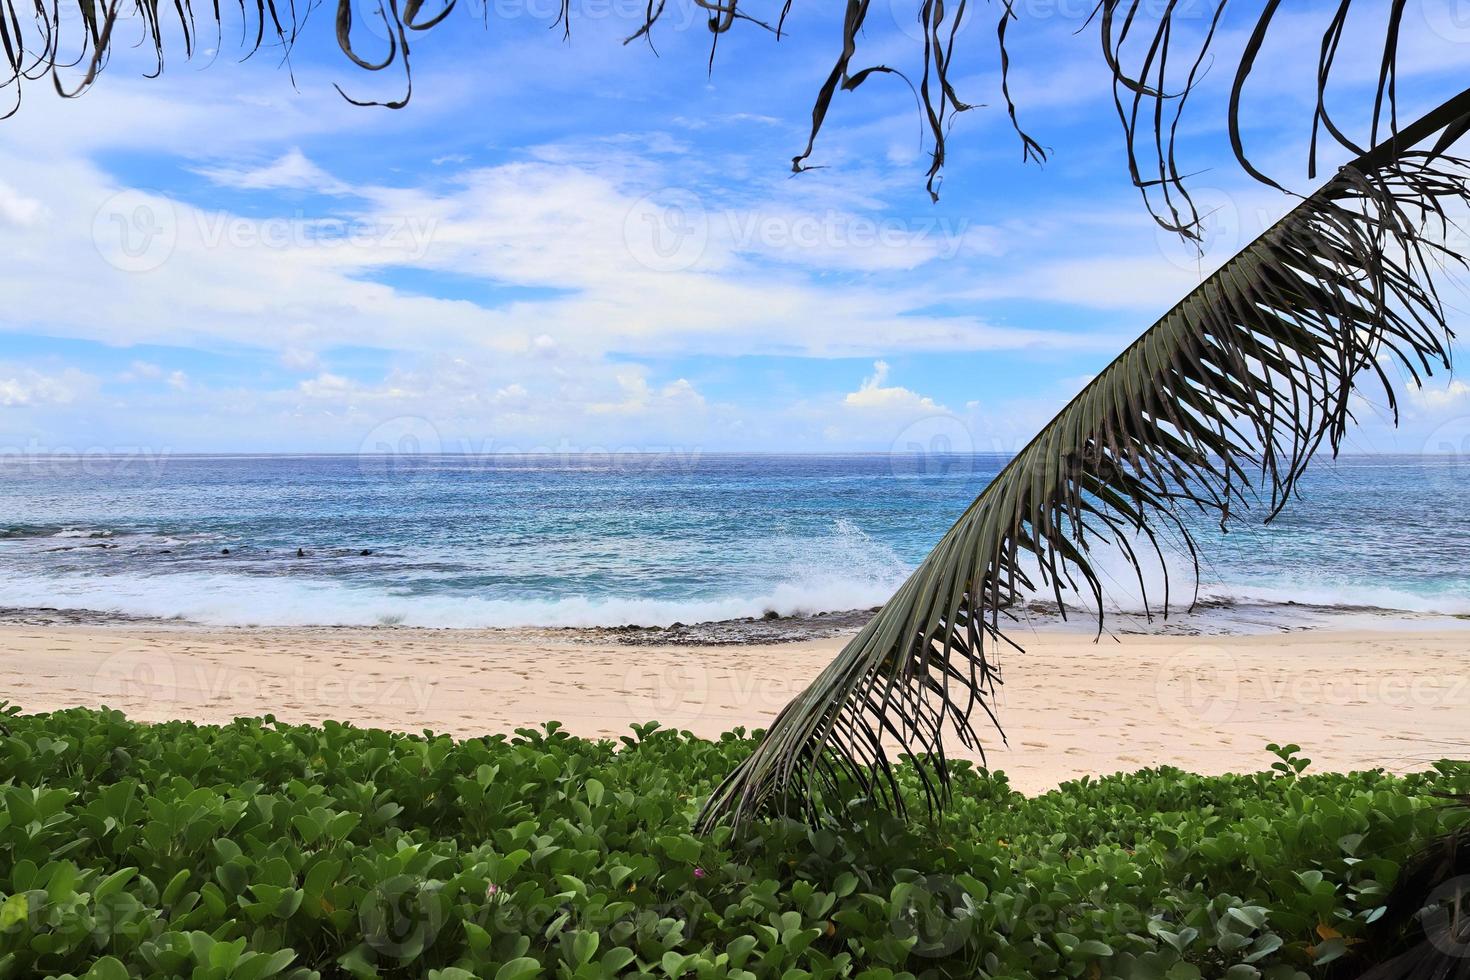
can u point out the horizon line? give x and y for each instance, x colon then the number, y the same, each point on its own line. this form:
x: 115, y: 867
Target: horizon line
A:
x: 551, y: 454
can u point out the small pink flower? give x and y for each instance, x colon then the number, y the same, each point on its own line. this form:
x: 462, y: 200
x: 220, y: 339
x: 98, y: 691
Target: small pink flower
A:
x: 701, y: 873
x: 491, y: 890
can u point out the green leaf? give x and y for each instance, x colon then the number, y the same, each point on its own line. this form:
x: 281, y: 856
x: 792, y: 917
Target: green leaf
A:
x: 523, y: 968
x: 257, y: 966
x: 617, y: 958
x: 584, y: 947
x: 107, y: 968
x: 15, y: 911
x: 113, y: 883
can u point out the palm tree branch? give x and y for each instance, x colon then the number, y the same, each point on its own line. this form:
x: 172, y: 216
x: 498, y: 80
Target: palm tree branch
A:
x: 1222, y: 403
x: 1141, y: 40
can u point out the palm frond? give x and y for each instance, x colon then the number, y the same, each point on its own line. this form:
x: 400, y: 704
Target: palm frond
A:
x: 1219, y: 405
x: 1424, y: 930
x: 1143, y: 42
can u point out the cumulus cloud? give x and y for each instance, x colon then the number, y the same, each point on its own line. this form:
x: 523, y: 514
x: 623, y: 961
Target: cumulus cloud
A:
x: 328, y: 385
x: 640, y: 397
x: 265, y: 277
x: 1439, y: 398
x: 874, y: 395
x: 505, y: 301
x: 28, y: 387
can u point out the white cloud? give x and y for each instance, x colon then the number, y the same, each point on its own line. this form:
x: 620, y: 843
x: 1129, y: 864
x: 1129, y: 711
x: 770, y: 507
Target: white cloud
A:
x: 682, y: 391
x: 639, y: 397
x: 293, y: 171
x: 141, y: 371
x: 17, y: 209
x: 296, y: 359
x: 513, y: 394
x: 1141, y: 282
x: 874, y: 395
x: 28, y: 387
x: 326, y: 385
x: 542, y: 243
x: 268, y: 279
x: 1436, y: 398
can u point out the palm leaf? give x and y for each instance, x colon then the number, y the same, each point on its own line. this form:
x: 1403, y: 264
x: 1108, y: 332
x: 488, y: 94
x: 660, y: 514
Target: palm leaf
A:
x: 1143, y: 41
x: 1146, y: 43
x: 1220, y: 404
x: 1423, y: 932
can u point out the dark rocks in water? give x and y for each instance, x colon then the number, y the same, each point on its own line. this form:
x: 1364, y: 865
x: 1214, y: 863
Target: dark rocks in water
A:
x: 55, y: 616
x: 166, y: 551
x: 771, y: 614
x: 734, y: 632
x: 365, y: 552
x: 300, y: 553
x: 224, y: 551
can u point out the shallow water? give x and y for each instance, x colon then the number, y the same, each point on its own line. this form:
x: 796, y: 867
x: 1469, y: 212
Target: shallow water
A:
x: 651, y: 540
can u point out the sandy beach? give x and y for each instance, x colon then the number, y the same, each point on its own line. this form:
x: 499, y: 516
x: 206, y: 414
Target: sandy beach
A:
x: 1071, y: 706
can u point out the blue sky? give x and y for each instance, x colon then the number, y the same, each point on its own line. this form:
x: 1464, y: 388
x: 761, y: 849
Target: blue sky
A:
x: 581, y: 245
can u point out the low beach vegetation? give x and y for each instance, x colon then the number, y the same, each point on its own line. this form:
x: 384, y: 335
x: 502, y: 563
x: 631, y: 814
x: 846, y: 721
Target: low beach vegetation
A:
x: 262, y: 849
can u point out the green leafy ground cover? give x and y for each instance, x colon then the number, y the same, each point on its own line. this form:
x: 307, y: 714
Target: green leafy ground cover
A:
x: 260, y: 849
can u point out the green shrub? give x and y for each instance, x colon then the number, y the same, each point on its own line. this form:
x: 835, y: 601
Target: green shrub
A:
x: 260, y: 849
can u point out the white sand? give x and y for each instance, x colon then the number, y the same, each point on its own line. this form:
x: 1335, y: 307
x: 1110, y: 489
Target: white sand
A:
x: 1071, y: 706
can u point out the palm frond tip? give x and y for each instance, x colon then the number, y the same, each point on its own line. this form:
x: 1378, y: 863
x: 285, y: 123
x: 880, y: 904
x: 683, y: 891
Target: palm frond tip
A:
x: 1156, y: 54
x: 1220, y: 404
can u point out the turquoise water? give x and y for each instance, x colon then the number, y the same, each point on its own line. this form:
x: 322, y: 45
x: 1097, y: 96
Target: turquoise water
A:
x: 612, y: 540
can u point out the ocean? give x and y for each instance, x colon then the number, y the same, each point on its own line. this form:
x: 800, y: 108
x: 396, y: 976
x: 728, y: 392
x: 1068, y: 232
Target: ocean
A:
x: 647, y: 540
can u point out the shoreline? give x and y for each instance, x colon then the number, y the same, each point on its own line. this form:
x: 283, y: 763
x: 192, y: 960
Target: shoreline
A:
x: 1211, y: 616
x: 1071, y: 705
